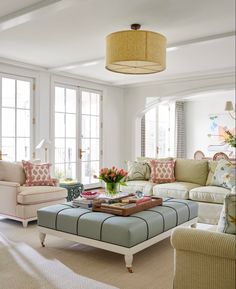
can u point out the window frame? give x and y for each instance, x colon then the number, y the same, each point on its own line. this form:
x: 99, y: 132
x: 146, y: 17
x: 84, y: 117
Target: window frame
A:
x: 31, y: 110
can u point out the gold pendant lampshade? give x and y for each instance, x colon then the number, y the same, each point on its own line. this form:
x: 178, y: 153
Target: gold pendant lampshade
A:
x: 136, y: 51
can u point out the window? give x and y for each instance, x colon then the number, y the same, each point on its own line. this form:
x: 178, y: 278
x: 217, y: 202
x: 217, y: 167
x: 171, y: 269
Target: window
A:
x: 16, y: 112
x: 157, y: 130
x: 77, y: 134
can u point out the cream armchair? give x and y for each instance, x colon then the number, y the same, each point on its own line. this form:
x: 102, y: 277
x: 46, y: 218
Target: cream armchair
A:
x: 20, y: 202
x: 204, y: 259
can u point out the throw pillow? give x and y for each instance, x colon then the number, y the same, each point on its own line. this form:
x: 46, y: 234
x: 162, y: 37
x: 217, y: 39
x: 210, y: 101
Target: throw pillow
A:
x: 227, y: 222
x: 138, y: 171
x: 211, y: 167
x: 37, y: 174
x: 162, y: 171
x: 224, y: 175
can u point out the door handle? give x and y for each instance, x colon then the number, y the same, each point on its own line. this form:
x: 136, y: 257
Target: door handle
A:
x: 1, y: 155
x: 81, y: 152
x: 157, y: 150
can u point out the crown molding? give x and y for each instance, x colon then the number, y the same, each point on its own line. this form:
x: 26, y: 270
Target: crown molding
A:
x: 184, y: 77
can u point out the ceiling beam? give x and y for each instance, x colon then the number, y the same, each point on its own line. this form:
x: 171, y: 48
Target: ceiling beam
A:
x: 170, y: 47
x: 31, y: 12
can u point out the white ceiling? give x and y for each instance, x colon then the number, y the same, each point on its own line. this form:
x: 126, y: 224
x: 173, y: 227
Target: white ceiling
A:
x: 68, y: 33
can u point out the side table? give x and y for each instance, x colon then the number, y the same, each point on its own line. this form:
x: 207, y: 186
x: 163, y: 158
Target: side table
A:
x: 74, y: 189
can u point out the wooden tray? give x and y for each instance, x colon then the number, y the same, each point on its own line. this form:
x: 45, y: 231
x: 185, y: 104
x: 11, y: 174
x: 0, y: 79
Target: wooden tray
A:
x: 98, y: 207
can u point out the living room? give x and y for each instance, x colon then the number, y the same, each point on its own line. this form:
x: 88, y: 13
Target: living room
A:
x: 60, y: 105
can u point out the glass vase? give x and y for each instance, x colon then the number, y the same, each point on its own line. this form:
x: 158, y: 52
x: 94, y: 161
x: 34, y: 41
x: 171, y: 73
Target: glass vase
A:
x: 112, y: 189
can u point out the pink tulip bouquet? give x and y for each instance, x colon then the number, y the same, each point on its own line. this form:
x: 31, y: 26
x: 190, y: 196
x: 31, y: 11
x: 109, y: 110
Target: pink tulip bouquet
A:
x: 113, y: 175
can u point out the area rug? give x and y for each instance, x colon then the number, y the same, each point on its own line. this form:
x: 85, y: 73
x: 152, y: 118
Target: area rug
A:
x: 62, y: 264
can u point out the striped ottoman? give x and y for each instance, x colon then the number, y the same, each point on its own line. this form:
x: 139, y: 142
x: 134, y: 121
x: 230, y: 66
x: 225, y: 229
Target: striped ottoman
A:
x: 124, y: 235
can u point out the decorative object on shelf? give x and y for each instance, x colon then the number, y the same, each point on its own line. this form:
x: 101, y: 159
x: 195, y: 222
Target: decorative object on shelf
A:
x: 113, y: 178
x: 44, y: 144
x: 229, y: 107
x: 135, y: 51
x: 73, y: 187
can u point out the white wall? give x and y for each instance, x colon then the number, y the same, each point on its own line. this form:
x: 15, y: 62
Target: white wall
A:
x: 112, y: 109
x: 135, y: 99
x: 197, y: 113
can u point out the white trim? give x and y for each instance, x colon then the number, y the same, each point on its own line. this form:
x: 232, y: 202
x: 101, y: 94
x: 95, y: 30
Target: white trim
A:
x: 127, y: 252
x: 24, y: 221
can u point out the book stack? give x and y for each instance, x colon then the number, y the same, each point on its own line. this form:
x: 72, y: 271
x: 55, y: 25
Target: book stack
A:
x: 83, y: 203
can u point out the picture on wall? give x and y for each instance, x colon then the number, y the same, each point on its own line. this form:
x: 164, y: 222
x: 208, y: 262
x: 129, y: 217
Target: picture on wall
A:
x: 219, y: 125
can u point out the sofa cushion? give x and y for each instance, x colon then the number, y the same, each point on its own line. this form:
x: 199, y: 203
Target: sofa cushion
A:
x: 40, y: 194
x: 12, y: 172
x: 225, y: 174
x: 178, y: 190
x: 211, y: 168
x: 209, y: 194
x: 162, y: 171
x: 227, y: 222
x: 191, y: 171
x: 134, y: 186
x: 138, y: 171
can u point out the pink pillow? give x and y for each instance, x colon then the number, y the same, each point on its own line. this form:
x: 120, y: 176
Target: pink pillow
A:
x: 162, y: 171
x: 37, y: 174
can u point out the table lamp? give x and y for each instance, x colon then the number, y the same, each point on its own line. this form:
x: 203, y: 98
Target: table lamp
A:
x: 44, y: 144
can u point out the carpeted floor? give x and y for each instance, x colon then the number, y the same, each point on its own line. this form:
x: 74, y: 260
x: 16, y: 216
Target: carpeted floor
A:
x: 24, y: 264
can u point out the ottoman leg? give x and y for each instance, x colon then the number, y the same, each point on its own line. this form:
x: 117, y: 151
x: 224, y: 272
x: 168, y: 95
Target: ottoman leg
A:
x: 42, y: 237
x: 128, y: 262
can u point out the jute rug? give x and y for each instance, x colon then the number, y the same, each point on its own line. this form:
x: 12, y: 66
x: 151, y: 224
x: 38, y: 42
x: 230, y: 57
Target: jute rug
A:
x: 24, y: 264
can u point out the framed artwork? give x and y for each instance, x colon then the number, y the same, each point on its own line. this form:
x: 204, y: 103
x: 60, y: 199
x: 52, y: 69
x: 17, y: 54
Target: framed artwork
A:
x: 218, y: 124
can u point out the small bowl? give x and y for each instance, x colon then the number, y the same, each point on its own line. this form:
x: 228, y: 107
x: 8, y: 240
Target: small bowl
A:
x: 89, y: 195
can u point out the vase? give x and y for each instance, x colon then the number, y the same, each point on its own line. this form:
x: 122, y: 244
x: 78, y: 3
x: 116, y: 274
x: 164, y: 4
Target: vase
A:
x: 112, y: 189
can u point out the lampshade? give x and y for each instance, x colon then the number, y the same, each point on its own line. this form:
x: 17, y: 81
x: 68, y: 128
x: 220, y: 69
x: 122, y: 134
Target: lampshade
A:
x: 229, y: 106
x: 135, y: 51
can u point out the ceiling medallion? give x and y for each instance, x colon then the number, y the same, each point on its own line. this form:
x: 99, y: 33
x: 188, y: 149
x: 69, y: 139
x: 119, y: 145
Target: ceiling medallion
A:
x: 135, y: 51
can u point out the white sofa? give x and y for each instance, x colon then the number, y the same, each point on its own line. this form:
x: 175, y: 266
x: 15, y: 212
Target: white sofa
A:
x: 193, y: 178
x: 21, y: 202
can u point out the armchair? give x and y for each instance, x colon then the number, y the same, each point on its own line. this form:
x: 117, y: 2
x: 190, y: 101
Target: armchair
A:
x: 19, y: 202
x: 204, y: 259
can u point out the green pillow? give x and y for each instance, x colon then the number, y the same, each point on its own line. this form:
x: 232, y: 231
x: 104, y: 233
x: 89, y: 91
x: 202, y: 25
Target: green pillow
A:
x: 224, y: 175
x: 227, y: 222
x: 191, y: 171
x: 138, y: 171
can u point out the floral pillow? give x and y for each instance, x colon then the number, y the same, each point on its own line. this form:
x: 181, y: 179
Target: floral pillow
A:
x: 37, y: 174
x: 138, y: 171
x: 162, y: 171
x: 224, y: 175
x: 227, y: 222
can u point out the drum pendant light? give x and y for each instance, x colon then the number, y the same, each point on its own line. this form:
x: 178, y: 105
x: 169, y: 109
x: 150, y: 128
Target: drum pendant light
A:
x: 135, y: 51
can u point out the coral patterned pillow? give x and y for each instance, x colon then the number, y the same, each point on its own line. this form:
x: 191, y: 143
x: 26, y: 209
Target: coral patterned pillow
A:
x: 37, y: 174
x: 162, y: 171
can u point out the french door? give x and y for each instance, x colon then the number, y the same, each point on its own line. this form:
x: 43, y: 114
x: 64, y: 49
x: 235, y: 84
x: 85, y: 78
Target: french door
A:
x: 16, y: 118
x: 77, y: 134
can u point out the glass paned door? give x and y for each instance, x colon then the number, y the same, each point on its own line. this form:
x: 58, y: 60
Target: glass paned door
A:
x: 65, y: 133
x: 16, y: 141
x: 90, y: 151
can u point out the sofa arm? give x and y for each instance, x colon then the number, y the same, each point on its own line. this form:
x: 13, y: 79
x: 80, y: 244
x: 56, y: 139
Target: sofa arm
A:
x: 204, y: 242
x: 8, y: 197
x: 9, y: 184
